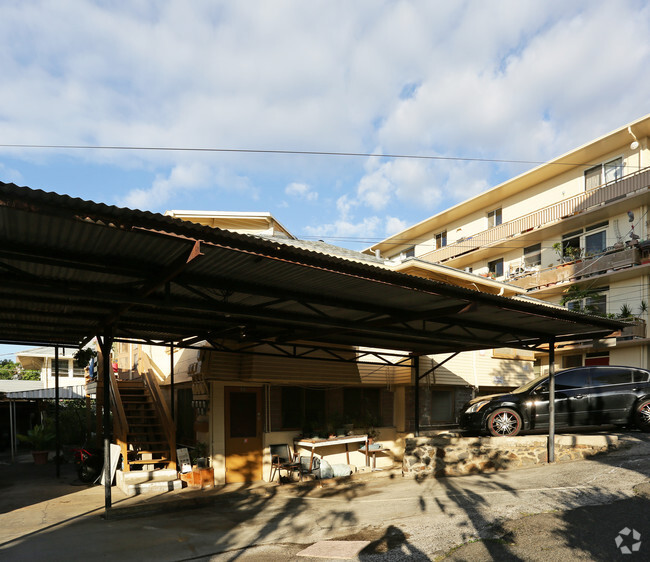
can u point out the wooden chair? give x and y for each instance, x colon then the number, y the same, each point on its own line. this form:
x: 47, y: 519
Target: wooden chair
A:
x: 283, y: 459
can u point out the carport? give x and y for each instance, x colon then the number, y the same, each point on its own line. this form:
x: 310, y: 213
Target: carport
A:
x: 75, y: 269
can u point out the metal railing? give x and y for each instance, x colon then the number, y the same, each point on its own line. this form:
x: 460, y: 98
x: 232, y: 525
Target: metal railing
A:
x: 564, y: 209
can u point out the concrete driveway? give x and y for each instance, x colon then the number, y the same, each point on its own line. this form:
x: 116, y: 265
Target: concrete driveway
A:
x: 547, y: 512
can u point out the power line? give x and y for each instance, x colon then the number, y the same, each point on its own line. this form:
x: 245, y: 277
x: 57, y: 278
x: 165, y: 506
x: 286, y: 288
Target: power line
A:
x: 285, y: 151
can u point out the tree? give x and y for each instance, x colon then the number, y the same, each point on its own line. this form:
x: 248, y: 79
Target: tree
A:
x: 10, y: 370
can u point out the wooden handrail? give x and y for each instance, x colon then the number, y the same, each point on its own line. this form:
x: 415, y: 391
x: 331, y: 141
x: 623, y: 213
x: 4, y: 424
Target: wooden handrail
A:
x: 120, y: 424
x: 159, y: 402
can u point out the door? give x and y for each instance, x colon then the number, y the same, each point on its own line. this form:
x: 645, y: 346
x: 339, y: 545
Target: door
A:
x: 571, y: 400
x: 572, y: 396
x: 612, y: 394
x: 243, y: 411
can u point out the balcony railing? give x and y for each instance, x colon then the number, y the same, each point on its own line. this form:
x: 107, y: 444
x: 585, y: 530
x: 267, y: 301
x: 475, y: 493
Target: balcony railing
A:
x: 610, y: 261
x: 593, y: 198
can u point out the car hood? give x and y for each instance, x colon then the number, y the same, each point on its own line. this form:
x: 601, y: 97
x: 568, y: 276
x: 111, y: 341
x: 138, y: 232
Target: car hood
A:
x: 491, y: 398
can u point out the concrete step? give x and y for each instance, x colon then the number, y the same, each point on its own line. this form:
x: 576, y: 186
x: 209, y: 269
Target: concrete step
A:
x: 148, y: 481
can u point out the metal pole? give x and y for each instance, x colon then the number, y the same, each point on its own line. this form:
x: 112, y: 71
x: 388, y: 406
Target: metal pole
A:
x: 57, y: 428
x: 416, y: 376
x: 551, y: 402
x: 171, y: 369
x: 12, y: 429
x: 105, y: 344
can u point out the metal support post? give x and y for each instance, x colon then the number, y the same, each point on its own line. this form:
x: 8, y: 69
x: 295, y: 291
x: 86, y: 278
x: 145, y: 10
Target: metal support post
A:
x: 416, y: 382
x: 551, y: 402
x: 57, y: 426
x: 106, y: 343
x: 171, y: 370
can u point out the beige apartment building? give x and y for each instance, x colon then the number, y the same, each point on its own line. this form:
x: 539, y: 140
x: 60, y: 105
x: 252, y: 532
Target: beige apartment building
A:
x: 573, y: 231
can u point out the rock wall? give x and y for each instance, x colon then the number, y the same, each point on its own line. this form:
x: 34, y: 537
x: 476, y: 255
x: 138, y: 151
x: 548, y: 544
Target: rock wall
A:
x: 450, y: 455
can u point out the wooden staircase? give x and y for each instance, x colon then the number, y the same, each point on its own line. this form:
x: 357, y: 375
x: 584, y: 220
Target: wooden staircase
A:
x: 145, y: 442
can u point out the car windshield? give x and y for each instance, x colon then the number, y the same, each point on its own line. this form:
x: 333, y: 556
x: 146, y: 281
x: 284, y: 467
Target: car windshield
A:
x: 530, y: 384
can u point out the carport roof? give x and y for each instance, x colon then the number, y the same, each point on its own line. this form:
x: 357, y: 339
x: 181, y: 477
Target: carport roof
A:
x: 70, y: 268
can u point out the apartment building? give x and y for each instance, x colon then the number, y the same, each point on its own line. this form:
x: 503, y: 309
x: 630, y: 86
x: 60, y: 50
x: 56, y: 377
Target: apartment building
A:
x: 573, y: 231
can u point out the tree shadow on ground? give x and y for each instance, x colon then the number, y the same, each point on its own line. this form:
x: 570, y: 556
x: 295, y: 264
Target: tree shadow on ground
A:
x: 587, y: 524
x: 24, y: 484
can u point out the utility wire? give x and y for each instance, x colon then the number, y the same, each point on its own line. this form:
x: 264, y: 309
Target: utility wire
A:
x: 278, y: 151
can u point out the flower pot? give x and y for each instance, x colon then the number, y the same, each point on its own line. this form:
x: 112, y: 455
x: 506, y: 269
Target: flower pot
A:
x: 40, y: 457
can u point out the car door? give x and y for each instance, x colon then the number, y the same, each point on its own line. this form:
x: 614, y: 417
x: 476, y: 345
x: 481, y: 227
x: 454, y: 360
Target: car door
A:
x: 568, y: 399
x: 611, y: 395
x: 571, y: 397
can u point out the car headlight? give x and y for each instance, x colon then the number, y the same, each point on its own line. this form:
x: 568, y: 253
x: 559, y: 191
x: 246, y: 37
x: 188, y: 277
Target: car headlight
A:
x: 476, y: 407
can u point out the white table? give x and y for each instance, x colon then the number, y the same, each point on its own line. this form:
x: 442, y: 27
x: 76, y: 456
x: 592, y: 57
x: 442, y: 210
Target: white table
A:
x: 314, y: 444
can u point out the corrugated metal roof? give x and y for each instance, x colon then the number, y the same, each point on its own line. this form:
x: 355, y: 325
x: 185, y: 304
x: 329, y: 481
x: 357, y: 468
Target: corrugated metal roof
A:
x: 72, y: 267
x: 65, y: 393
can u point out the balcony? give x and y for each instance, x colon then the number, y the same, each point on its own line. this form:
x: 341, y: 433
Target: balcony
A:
x: 611, y: 261
x: 588, y: 200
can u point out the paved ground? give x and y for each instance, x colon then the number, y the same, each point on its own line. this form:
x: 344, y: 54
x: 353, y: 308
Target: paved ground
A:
x: 551, y: 512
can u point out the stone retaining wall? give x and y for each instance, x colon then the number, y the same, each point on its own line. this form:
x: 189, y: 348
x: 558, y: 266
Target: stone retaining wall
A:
x: 449, y: 455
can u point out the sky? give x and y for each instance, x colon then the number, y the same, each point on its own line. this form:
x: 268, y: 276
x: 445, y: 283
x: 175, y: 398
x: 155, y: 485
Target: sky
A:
x: 520, y: 81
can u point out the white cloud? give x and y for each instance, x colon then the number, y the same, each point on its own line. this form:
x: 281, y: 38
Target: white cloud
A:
x: 505, y: 80
x: 394, y: 225
x: 301, y: 190
x: 9, y: 175
x: 164, y: 187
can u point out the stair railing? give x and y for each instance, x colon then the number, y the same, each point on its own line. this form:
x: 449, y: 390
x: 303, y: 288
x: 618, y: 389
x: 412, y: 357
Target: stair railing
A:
x: 160, y: 404
x: 120, y: 423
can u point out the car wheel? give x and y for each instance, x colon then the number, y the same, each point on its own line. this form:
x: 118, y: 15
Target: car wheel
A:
x: 504, y: 422
x: 642, y: 415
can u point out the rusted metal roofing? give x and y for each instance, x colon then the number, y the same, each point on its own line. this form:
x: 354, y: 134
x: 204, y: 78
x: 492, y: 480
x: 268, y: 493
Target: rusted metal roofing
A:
x: 71, y: 269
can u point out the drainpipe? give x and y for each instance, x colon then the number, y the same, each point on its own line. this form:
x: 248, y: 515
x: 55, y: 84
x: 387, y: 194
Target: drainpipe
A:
x: 551, y: 402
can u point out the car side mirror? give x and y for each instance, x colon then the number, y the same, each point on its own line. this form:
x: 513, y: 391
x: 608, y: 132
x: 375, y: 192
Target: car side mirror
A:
x: 541, y: 389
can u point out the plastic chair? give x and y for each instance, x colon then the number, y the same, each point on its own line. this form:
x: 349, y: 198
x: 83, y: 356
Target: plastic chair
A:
x: 283, y: 459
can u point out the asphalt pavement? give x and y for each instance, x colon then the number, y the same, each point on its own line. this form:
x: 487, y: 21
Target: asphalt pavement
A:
x: 590, y: 509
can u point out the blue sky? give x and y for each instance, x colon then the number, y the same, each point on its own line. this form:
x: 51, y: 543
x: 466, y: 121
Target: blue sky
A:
x: 506, y: 80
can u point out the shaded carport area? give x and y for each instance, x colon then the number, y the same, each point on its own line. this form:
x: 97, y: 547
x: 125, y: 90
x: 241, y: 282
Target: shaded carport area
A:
x: 71, y: 270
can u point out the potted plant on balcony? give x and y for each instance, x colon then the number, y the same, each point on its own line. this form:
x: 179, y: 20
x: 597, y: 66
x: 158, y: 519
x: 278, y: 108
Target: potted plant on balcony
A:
x: 40, y: 438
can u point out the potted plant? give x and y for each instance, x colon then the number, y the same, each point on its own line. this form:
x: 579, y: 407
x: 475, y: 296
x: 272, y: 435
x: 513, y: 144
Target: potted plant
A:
x: 40, y: 437
x: 200, y: 454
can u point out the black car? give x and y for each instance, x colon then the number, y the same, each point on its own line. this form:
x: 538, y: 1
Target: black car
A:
x: 583, y: 396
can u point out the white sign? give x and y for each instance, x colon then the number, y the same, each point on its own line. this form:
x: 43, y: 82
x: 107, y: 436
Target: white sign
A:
x: 183, y: 457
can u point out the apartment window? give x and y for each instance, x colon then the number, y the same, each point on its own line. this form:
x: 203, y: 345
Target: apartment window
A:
x: 302, y: 408
x: 494, y: 218
x: 595, y: 303
x: 596, y: 239
x: 362, y: 406
x: 603, y: 173
x: 533, y: 255
x: 496, y: 267
x: 571, y: 245
x: 63, y: 367
x: 409, y: 252
x: 569, y: 361
x: 441, y: 239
